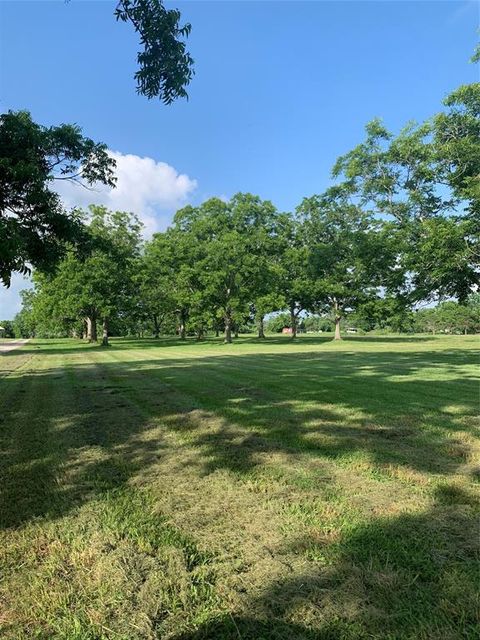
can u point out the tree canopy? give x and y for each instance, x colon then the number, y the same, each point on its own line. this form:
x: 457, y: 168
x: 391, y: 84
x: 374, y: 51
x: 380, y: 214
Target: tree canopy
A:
x: 34, y: 225
x: 427, y: 180
x: 94, y: 288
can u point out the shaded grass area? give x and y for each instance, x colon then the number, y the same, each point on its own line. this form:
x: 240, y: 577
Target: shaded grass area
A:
x: 260, y: 490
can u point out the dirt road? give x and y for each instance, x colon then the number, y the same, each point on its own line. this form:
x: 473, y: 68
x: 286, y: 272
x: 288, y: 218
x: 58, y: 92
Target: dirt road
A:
x: 11, y: 344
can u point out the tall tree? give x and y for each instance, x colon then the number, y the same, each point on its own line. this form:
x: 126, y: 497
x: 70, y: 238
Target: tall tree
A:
x: 456, y: 141
x: 427, y: 181
x: 346, y: 261
x: 117, y: 234
x: 232, y: 244
x: 158, y: 288
x: 34, y: 226
x: 24, y: 321
x: 173, y: 266
x: 295, y: 284
x: 268, y: 295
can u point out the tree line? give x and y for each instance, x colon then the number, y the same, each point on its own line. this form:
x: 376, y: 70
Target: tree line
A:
x: 386, y: 315
x: 400, y: 226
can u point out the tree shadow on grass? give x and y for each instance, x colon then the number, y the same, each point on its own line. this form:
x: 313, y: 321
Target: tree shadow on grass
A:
x: 72, y: 432
x: 60, y: 448
x: 74, y: 345
x: 413, y: 576
x: 70, y: 345
x: 328, y: 405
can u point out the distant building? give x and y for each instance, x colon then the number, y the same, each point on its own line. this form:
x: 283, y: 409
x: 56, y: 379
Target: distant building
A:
x: 2, y: 332
x: 287, y: 330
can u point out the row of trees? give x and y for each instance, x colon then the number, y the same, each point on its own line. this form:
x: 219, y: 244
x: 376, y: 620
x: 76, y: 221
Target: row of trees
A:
x: 385, y: 315
x: 400, y: 226
x: 450, y: 317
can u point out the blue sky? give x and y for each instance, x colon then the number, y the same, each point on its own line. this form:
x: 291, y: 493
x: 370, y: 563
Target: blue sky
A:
x: 281, y: 89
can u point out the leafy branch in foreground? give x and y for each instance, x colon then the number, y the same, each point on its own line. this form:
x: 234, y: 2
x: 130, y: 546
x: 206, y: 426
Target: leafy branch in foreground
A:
x: 165, y: 66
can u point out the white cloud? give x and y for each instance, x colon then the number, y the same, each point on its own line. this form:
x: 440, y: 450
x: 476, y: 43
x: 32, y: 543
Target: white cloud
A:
x: 153, y: 190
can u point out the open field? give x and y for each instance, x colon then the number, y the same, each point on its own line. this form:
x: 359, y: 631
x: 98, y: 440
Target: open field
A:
x: 260, y: 491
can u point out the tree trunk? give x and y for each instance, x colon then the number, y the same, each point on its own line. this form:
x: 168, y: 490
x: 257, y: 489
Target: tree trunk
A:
x: 217, y: 331
x: 235, y: 333
x: 338, y: 317
x: 156, y: 327
x: 200, y: 333
x: 181, y: 329
x: 293, y: 322
x: 228, y: 328
x: 88, y: 330
x: 261, y: 328
x: 92, y: 328
x: 337, y: 328
x: 105, y: 342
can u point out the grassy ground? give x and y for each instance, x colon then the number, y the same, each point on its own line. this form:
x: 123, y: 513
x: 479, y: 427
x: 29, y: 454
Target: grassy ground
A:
x: 254, y: 491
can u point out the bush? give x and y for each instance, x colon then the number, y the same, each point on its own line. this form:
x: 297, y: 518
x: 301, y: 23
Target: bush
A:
x: 8, y: 328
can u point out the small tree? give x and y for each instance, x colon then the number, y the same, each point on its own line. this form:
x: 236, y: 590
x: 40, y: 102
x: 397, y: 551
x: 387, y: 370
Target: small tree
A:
x: 8, y: 329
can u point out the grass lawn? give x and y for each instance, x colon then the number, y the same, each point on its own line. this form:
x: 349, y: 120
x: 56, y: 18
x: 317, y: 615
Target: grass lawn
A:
x: 259, y: 491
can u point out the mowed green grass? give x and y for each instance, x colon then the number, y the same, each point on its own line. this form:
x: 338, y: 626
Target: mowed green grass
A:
x: 260, y: 491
